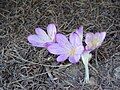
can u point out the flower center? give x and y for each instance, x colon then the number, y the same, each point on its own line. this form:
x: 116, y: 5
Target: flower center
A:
x: 72, y: 52
x: 94, y: 42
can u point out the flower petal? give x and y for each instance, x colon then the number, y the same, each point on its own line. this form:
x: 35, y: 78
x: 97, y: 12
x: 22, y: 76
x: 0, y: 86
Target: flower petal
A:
x: 79, y: 50
x: 35, y: 41
x: 51, y: 30
x: 79, y: 31
x: 89, y: 38
x: 48, y: 44
x: 74, y: 59
x: 63, y: 41
x: 62, y: 58
x: 42, y: 34
x: 56, y: 49
x: 74, y: 39
x: 102, y: 35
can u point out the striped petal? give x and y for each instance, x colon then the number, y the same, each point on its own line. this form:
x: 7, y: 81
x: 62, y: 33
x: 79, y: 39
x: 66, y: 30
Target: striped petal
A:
x: 35, y: 41
x: 62, y: 58
x: 56, y: 49
x: 51, y: 30
x: 74, y: 59
x: 63, y: 41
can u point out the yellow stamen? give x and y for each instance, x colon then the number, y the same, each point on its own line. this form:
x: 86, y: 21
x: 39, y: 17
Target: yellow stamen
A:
x: 95, y: 42
x: 72, y: 51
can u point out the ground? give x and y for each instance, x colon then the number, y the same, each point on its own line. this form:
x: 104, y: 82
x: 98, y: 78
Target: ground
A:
x: 24, y: 67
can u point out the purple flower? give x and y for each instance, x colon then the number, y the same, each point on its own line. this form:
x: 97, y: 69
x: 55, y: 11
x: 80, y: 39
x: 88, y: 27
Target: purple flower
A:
x: 65, y: 48
x: 41, y: 39
x: 94, y: 40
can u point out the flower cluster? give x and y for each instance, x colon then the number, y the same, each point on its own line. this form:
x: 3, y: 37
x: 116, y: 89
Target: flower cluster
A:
x: 68, y: 48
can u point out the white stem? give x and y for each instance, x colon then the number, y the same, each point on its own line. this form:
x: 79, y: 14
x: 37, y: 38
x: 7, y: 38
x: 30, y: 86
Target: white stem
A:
x: 86, y: 73
x: 85, y: 58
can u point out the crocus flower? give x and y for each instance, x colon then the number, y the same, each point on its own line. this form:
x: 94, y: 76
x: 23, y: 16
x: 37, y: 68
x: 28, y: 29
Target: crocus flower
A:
x: 65, y: 48
x: 41, y: 38
x: 93, y: 41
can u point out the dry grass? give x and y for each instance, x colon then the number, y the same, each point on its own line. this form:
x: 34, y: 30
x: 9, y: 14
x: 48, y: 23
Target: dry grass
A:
x: 23, y: 67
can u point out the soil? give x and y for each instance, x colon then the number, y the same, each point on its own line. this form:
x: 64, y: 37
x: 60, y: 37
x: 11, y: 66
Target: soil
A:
x: 24, y: 67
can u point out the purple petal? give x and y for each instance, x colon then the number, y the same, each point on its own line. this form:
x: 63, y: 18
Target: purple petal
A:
x: 103, y: 35
x: 35, y: 41
x: 42, y: 34
x: 62, y: 58
x: 100, y: 35
x: 51, y: 30
x: 48, y: 44
x: 74, y: 59
x: 88, y: 40
x: 89, y: 37
x: 75, y: 40
x: 56, y: 49
x: 79, y: 31
x: 79, y: 50
x: 63, y: 41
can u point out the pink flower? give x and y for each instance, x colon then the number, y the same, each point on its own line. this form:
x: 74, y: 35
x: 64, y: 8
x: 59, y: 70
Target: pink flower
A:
x: 41, y: 38
x: 65, y: 48
x: 94, y: 40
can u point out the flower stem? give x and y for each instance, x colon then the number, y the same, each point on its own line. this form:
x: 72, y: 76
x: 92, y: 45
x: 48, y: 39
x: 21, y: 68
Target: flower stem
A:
x: 86, y: 73
x: 86, y: 58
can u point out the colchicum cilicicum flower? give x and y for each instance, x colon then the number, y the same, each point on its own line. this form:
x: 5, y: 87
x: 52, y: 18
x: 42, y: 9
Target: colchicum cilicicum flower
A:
x: 65, y: 48
x: 93, y: 41
x: 72, y: 49
x: 41, y: 38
